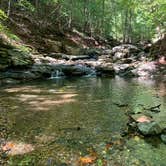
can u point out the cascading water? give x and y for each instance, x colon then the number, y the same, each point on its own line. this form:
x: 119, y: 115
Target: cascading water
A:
x: 92, y: 74
x: 56, y: 74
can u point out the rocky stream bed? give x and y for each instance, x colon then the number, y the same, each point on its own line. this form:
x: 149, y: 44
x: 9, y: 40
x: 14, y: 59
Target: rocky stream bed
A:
x: 124, y: 60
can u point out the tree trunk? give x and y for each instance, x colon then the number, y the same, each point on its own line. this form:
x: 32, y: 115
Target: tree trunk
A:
x: 103, y: 13
x: 9, y: 8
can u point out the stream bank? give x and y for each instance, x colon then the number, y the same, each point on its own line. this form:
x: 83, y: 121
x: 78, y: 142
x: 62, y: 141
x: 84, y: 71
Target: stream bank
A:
x: 125, y: 60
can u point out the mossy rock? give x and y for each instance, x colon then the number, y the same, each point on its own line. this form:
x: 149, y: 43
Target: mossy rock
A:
x: 20, y: 58
x: 149, y: 128
x: 5, y: 44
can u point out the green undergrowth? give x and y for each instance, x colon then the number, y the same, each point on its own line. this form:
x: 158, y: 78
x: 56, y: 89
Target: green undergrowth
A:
x: 12, y: 38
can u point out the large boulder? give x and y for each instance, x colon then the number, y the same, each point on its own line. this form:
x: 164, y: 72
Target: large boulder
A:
x: 105, y: 69
x: 124, y: 70
x: 42, y: 70
x: 149, y: 128
x: 124, y: 51
x: 76, y: 70
x: 146, y: 69
x: 10, y: 56
x: 14, y: 58
x: 19, y: 75
x: 68, y: 69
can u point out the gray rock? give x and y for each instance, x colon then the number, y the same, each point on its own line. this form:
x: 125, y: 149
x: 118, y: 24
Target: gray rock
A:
x: 76, y: 70
x: 20, y: 75
x: 106, y: 69
x: 125, y: 48
x: 124, y: 70
x: 146, y: 69
x: 75, y: 57
x: 119, y: 55
x: 149, y: 128
x: 124, y: 51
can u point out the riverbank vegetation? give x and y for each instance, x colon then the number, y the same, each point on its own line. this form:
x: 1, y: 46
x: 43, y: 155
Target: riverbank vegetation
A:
x: 129, y: 20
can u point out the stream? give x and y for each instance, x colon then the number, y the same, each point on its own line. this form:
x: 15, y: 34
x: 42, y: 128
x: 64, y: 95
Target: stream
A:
x: 68, y: 122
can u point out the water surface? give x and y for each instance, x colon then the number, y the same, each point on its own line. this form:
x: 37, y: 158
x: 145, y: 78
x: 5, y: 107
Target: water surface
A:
x: 65, y: 119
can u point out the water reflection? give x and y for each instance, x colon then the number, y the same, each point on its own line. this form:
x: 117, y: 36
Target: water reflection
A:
x: 69, y: 116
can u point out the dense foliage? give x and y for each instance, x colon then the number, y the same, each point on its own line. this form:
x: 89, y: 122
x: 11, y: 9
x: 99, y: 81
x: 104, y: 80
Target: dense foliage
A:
x: 127, y: 20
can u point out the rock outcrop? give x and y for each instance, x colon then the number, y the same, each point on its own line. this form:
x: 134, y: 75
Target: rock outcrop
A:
x: 12, y: 57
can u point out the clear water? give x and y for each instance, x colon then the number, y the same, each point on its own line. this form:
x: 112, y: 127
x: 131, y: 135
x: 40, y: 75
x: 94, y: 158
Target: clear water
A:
x: 66, y: 119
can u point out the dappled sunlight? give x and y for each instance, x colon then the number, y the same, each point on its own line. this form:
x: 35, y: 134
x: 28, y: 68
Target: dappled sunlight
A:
x: 25, y: 97
x: 44, y: 102
x: 48, y: 104
x: 36, y: 90
x: 42, y: 99
x: 24, y: 89
x: 17, y: 148
x: 67, y: 96
x: 44, y: 138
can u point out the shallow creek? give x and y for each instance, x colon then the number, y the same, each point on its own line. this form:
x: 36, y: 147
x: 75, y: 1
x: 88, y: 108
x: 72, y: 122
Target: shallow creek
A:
x: 76, y: 122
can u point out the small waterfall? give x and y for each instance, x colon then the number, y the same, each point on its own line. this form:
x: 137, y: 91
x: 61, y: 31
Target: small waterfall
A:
x: 92, y: 74
x: 56, y: 74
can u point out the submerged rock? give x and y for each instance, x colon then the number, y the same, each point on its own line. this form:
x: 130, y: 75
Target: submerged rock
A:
x: 149, y: 128
x: 163, y: 137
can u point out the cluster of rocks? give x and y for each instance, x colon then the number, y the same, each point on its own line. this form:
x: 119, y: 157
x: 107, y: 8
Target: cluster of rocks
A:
x: 149, y: 123
x: 124, y: 60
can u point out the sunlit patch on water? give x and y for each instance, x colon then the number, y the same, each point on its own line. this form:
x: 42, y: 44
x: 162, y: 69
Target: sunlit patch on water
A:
x: 46, y: 102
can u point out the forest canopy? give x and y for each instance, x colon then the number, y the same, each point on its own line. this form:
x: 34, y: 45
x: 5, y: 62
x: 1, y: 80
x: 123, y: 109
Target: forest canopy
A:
x: 125, y: 20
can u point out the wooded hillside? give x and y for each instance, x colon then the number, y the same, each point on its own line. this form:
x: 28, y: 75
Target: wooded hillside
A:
x: 125, y: 20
